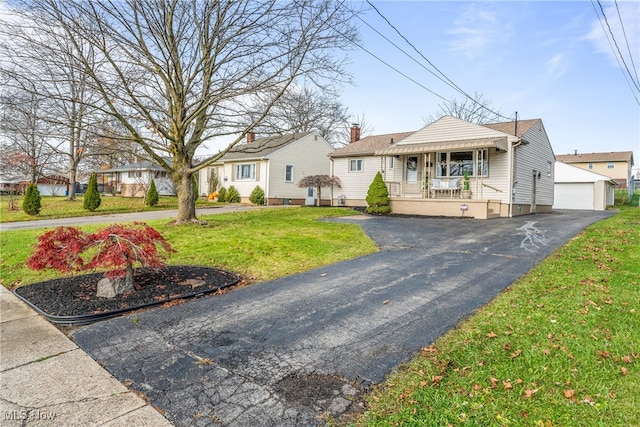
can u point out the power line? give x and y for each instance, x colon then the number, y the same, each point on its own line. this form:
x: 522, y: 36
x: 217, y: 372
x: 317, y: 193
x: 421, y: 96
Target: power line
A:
x: 617, y: 47
x: 450, y: 82
x: 624, y: 32
x: 616, y: 56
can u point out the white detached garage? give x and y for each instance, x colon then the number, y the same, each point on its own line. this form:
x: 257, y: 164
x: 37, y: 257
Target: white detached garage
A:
x: 576, y: 188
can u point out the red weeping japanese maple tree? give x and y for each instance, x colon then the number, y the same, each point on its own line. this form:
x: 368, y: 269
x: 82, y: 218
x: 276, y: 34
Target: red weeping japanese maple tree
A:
x: 117, y: 248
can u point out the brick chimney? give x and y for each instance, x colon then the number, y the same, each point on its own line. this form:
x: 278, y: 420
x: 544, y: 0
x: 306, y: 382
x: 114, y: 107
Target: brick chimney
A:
x: 251, y: 136
x: 355, y: 133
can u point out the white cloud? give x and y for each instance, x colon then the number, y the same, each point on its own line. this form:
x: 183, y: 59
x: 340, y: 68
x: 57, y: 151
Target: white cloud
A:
x: 557, y: 66
x: 476, y: 29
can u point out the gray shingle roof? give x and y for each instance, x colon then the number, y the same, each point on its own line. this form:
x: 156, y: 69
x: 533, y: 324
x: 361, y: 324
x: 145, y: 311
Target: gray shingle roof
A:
x: 368, y: 145
x: 261, y: 147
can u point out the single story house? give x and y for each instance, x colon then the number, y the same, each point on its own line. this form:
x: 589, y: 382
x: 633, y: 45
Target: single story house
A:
x: 49, y: 185
x: 576, y: 188
x: 133, y: 180
x: 275, y: 164
x: 509, y: 169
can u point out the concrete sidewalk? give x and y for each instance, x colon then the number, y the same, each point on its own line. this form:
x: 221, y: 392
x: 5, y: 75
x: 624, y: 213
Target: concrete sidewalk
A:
x: 45, y: 379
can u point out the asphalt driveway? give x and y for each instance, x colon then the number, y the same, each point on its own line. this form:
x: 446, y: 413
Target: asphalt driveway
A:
x: 287, y: 351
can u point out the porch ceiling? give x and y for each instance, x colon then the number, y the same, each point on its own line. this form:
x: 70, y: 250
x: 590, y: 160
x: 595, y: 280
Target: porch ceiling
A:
x: 464, y: 144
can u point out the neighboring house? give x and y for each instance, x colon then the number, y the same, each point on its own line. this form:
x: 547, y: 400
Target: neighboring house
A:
x: 134, y: 179
x: 576, y: 188
x: 510, y: 168
x: 276, y: 164
x: 616, y: 164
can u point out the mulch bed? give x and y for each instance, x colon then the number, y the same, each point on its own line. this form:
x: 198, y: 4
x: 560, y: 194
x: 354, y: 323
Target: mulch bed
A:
x: 75, y: 296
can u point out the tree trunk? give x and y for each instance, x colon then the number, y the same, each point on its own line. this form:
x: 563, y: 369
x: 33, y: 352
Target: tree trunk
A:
x: 186, y: 198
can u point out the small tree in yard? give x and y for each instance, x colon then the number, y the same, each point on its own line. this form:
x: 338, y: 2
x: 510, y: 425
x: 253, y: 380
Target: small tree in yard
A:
x: 378, y: 196
x: 152, y: 195
x: 92, y: 196
x: 232, y: 195
x: 222, y: 195
x: 31, y: 203
x: 117, y: 247
x: 257, y: 196
x: 319, y: 181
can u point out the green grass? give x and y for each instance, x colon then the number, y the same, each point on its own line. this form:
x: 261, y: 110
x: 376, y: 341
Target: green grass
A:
x: 260, y: 245
x: 560, y: 347
x: 60, y: 207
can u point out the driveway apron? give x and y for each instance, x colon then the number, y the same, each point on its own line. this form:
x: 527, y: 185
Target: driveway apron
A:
x: 288, y: 351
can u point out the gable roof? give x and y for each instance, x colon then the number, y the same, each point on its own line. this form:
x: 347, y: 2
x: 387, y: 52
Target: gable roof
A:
x: 564, y: 173
x: 261, y: 147
x: 613, y: 156
x: 368, y: 145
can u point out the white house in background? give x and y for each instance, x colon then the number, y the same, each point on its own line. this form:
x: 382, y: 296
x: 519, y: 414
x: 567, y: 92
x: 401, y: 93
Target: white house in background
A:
x: 134, y: 179
x: 576, y: 188
x: 276, y: 164
x: 510, y: 169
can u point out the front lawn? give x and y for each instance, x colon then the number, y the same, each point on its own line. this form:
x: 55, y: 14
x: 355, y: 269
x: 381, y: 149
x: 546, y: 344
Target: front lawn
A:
x: 259, y: 245
x: 560, y: 347
x: 60, y: 207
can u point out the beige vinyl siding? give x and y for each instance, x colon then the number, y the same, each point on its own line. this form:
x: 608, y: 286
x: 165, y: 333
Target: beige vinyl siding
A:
x: 450, y: 129
x: 308, y: 156
x: 535, y: 155
x: 244, y: 186
x: 495, y: 186
x: 356, y: 184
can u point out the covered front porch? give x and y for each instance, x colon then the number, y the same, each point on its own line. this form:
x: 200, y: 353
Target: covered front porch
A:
x: 454, y: 178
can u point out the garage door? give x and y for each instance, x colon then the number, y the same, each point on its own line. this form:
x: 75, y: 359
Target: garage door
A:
x: 573, y: 196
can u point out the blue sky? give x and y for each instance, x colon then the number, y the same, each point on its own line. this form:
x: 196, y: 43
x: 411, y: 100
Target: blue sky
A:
x: 544, y: 59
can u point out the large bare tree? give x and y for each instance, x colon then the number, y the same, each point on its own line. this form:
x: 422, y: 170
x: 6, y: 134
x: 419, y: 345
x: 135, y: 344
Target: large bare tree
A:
x: 476, y: 110
x: 177, y: 73
x: 25, y: 150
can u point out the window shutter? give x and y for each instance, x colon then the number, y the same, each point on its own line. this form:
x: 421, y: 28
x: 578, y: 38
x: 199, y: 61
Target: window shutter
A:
x: 257, y: 172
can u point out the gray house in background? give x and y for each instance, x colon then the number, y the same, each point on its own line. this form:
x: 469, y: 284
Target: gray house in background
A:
x: 134, y: 179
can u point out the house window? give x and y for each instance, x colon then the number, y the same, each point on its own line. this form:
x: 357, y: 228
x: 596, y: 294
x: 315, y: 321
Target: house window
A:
x: 355, y: 165
x: 391, y: 162
x: 610, y: 165
x: 159, y: 174
x: 456, y: 163
x: 288, y: 173
x: 590, y: 166
x: 135, y: 174
x: 245, y: 172
x: 549, y: 167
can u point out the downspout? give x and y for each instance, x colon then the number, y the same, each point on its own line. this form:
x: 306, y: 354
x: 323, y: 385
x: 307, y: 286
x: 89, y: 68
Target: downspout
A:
x: 513, y: 181
x: 332, y: 174
x: 266, y: 183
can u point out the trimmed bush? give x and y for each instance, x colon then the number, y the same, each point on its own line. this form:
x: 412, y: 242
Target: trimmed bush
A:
x: 92, y: 196
x: 222, y: 195
x: 194, y: 181
x: 152, y: 195
x: 378, y: 196
x: 213, y: 182
x: 232, y: 195
x: 257, y: 196
x: 31, y: 203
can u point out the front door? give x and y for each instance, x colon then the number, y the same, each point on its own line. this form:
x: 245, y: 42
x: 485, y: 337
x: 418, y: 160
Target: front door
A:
x: 311, y: 200
x: 412, y: 176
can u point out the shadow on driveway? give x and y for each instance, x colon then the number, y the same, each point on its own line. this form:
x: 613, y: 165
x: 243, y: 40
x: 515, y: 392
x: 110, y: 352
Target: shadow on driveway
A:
x: 287, y: 351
